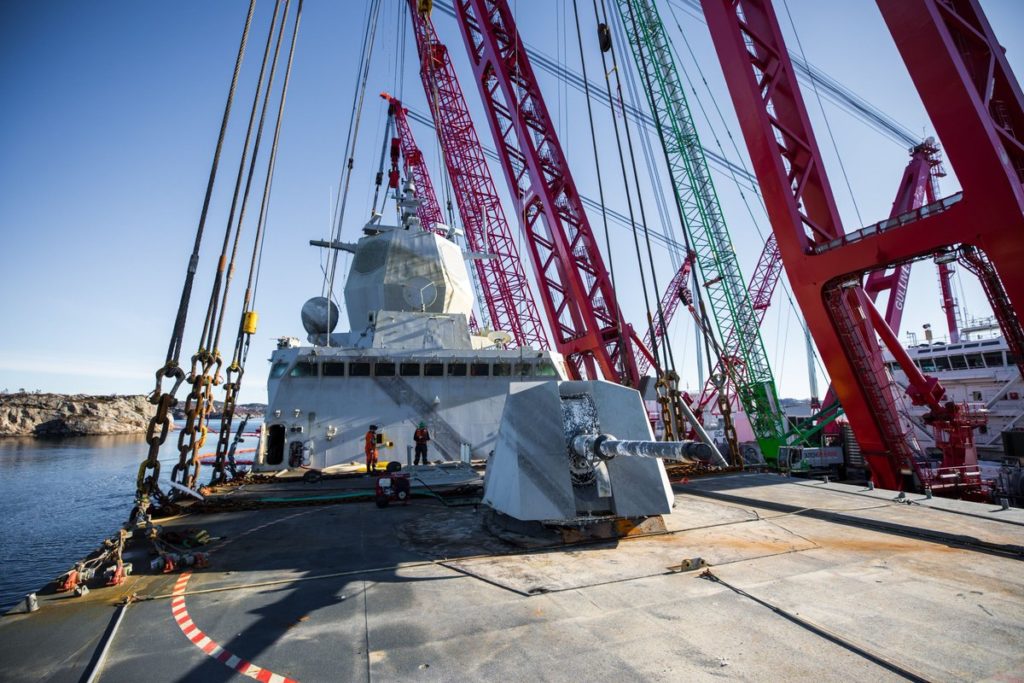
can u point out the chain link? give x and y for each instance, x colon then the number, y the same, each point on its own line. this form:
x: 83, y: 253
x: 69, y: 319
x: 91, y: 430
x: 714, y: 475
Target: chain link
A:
x: 231, y: 386
x: 156, y: 435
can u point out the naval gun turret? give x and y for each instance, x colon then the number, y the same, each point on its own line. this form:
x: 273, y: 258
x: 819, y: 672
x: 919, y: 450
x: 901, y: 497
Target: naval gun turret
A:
x: 573, y: 452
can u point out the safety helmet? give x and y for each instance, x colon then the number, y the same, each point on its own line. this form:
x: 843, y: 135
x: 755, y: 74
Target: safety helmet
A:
x: 422, y: 425
x: 373, y: 428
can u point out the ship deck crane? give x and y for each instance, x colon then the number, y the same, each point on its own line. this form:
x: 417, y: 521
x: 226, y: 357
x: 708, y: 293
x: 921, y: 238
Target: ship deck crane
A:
x: 975, y: 104
x: 506, y: 290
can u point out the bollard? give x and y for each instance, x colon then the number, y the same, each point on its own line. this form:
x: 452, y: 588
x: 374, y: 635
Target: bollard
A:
x: 928, y: 493
x: 871, y: 485
x: 31, y: 603
x: 408, y: 455
x: 1005, y: 502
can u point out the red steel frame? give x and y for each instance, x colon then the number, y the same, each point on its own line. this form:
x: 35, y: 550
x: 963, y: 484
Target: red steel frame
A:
x: 429, y: 211
x: 506, y: 288
x: 677, y: 291
x: 975, y: 105
x: 576, y: 289
x: 914, y: 192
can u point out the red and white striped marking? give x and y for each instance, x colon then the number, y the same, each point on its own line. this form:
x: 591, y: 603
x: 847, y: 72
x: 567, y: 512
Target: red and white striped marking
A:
x: 180, y: 613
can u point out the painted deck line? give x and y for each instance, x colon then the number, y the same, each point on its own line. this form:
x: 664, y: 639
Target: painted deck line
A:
x: 209, y: 646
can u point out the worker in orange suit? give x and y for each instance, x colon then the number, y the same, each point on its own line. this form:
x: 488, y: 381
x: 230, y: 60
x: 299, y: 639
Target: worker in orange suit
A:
x: 421, y: 436
x: 371, y: 450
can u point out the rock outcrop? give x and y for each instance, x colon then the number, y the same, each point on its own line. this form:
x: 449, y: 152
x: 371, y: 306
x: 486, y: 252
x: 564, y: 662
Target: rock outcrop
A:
x: 26, y: 414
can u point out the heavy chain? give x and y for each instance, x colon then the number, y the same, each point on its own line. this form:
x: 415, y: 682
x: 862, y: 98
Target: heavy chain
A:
x: 728, y: 426
x: 156, y: 435
x: 204, y: 376
x: 231, y: 386
x: 661, y: 388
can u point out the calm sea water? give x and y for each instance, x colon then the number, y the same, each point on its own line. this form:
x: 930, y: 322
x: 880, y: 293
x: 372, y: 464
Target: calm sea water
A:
x: 60, y: 498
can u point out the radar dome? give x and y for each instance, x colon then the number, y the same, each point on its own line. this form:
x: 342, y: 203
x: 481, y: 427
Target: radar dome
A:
x: 315, y: 315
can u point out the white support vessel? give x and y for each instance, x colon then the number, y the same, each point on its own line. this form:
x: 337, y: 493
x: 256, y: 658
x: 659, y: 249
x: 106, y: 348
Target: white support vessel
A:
x: 979, y: 370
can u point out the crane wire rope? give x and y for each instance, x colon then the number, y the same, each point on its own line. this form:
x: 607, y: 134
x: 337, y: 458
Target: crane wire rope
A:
x: 676, y: 255
x: 213, y: 341
x: 669, y: 360
x: 174, y: 348
x: 147, y: 480
x: 236, y: 369
x: 359, y: 96
x: 735, y: 146
x: 597, y: 168
x: 700, y: 313
x: 625, y: 175
x: 828, y: 125
x: 207, y: 362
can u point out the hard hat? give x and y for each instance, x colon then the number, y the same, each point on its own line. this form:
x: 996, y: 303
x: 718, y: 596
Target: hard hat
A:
x: 373, y: 428
x: 422, y: 424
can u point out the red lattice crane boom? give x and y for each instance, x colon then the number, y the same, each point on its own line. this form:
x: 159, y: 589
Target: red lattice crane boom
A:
x: 676, y: 292
x: 506, y: 289
x: 575, y: 287
x: 429, y: 211
x: 974, y: 103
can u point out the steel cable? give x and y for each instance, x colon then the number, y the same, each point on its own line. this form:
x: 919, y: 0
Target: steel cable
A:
x: 174, y: 349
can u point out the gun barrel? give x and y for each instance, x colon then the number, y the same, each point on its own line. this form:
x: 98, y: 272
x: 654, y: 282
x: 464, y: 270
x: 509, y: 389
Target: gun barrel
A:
x: 606, y: 447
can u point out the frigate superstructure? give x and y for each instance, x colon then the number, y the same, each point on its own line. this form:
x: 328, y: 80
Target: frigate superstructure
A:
x: 409, y: 356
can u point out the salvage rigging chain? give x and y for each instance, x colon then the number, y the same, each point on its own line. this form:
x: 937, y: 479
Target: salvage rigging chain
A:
x: 207, y: 361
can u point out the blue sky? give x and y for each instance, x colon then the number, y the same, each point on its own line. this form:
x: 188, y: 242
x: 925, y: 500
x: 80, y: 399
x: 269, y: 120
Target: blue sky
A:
x: 111, y: 112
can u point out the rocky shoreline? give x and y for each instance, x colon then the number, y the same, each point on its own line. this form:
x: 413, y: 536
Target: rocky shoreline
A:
x: 57, y: 415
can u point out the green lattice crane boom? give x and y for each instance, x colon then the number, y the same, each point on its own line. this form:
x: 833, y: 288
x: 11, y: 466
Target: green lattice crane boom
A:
x: 736, y: 321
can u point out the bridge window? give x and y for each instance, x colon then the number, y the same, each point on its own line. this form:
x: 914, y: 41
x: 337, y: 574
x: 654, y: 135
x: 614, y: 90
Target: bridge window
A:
x: 456, y: 369
x: 333, y: 370
x: 384, y: 369
x: 994, y: 359
x: 958, y: 362
x: 303, y: 369
x: 546, y: 369
x: 479, y: 370
x: 941, y: 363
x: 502, y: 369
x: 409, y: 369
x: 359, y: 369
x: 433, y: 369
x: 974, y: 360
x: 927, y: 365
x: 278, y: 369
x: 522, y: 370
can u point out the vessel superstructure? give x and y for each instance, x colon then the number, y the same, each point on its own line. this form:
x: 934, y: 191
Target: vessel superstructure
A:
x: 979, y: 370
x: 409, y: 356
